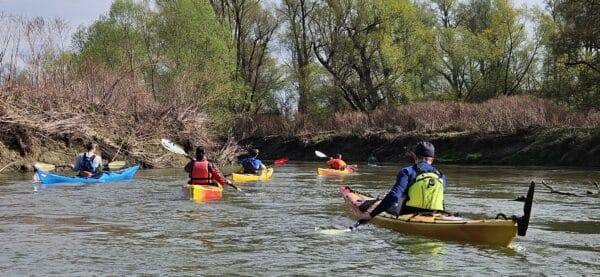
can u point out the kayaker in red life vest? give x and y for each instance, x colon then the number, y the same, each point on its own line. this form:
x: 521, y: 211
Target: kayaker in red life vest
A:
x: 204, y: 172
x: 419, y: 187
x: 88, y: 164
x: 337, y: 162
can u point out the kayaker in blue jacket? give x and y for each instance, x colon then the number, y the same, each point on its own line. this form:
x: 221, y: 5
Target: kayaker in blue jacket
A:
x: 88, y: 164
x: 419, y: 187
x: 251, y: 165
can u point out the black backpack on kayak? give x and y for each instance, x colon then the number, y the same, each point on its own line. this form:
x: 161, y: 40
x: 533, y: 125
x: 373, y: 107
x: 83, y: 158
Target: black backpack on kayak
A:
x: 87, y: 163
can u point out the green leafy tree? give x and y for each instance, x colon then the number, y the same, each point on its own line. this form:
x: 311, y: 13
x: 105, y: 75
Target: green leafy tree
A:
x: 575, y: 44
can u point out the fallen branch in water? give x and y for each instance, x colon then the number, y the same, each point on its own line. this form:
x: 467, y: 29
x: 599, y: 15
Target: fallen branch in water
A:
x: 588, y: 192
x: 9, y: 164
x: 552, y: 190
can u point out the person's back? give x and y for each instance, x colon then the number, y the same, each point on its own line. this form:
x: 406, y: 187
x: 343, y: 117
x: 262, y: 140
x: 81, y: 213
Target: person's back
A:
x: 203, y: 172
x: 252, y: 165
x: 372, y: 160
x: 88, y: 164
x: 337, y: 162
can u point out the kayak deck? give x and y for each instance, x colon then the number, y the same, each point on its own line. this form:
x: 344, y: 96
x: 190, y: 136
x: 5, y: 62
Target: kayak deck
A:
x: 265, y: 175
x: 439, y: 225
x: 329, y: 171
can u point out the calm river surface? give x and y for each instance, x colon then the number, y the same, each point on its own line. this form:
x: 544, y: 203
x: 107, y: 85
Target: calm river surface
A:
x: 145, y: 227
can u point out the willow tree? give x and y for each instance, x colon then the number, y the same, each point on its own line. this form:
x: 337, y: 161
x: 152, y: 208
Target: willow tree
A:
x: 297, y: 15
x: 576, y: 45
x: 372, y: 50
x: 176, y: 47
x: 257, y: 73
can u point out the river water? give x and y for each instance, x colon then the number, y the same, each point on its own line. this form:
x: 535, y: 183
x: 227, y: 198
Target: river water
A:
x: 145, y: 227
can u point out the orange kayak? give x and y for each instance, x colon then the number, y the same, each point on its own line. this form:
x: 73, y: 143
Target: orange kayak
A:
x: 201, y: 193
x: 443, y: 226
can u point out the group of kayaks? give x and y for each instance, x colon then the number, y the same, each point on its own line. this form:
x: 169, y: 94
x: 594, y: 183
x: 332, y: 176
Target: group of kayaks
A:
x: 498, y: 231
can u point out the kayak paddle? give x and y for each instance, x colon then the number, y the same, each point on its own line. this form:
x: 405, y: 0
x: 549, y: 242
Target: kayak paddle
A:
x: 323, y: 155
x: 320, y: 154
x: 171, y: 146
x: 281, y: 161
x: 47, y: 167
x: 339, y: 231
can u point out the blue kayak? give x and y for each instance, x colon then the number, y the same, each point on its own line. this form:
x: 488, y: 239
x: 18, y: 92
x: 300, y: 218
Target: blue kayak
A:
x: 107, y: 176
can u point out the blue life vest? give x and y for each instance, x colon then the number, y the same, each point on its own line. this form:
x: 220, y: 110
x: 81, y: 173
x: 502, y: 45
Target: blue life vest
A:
x: 87, y: 164
x: 248, y: 165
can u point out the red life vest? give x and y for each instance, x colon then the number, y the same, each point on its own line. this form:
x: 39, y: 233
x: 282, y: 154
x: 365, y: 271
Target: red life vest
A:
x: 201, y: 173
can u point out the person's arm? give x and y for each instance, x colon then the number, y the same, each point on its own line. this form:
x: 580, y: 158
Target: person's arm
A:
x: 189, y: 166
x: 218, y: 177
x: 343, y: 164
x: 445, y: 181
x: 395, y: 193
x: 259, y: 165
x: 331, y: 160
x: 77, y: 164
x: 98, y: 163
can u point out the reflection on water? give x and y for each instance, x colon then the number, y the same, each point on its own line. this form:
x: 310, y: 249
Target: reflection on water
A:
x: 145, y: 227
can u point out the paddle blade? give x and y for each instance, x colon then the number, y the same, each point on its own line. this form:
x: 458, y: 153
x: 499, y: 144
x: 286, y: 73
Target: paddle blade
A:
x: 171, y: 146
x: 282, y: 161
x: 333, y: 231
x: 320, y: 154
x: 44, y: 166
x: 116, y: 165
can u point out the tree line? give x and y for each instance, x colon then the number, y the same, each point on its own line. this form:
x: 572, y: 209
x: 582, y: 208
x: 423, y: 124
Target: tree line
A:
x: 234, y: 58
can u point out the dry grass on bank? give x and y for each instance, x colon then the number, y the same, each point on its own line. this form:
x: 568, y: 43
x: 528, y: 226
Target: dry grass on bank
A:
x: 500, y: 115
x: 111, y: 109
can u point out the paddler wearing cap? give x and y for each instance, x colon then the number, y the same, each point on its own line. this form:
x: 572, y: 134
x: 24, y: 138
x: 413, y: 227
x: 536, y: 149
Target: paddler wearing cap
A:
x: 419, y: 187
x: 251, y: 164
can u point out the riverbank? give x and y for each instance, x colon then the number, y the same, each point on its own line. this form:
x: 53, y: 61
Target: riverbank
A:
x: 533, y: 146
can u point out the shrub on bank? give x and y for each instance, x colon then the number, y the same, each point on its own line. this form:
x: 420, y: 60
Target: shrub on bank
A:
x: 499, y: 115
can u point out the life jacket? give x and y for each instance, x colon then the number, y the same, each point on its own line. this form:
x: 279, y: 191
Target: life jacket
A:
x: 201, y: 173
x: 427, y: 191
x: 248, y: 165
x: 337, y: 164
x: 87, y: 164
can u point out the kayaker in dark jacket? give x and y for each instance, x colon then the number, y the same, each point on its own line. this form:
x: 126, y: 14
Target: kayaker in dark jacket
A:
x: 88, y: 164
x: 204, y: 172
x: 419, y: 187
x: 250, y: 164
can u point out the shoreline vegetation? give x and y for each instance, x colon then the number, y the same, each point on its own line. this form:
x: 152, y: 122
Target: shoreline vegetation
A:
x: 356, y: 77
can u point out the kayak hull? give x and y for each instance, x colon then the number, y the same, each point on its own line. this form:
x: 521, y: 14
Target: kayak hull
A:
x: 201, y: 193
x: 266, y: 175
x: 107, y: 176
x: 441, y: 226
x: 330, y: 172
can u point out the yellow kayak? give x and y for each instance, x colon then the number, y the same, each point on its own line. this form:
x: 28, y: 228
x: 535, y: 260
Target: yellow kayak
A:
x: 329, y: 171
x: 266, y: 175
x: 202, y: 193
x: 443, y: 226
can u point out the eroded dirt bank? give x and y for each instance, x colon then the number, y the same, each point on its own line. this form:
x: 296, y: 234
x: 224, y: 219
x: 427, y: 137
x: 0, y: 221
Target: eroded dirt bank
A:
x: 565, y: 147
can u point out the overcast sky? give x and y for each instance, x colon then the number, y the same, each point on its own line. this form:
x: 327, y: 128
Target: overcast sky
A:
x: 78, y: 12
x: 86, y: 11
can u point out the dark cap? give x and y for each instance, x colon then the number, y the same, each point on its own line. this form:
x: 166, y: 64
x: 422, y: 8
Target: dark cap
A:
x: 253, y: 152
x: 200, y: 151
x: 425, y: 149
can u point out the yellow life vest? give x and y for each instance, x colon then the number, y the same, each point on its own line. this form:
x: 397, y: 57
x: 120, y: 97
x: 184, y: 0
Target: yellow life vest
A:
x: 427, y: 192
